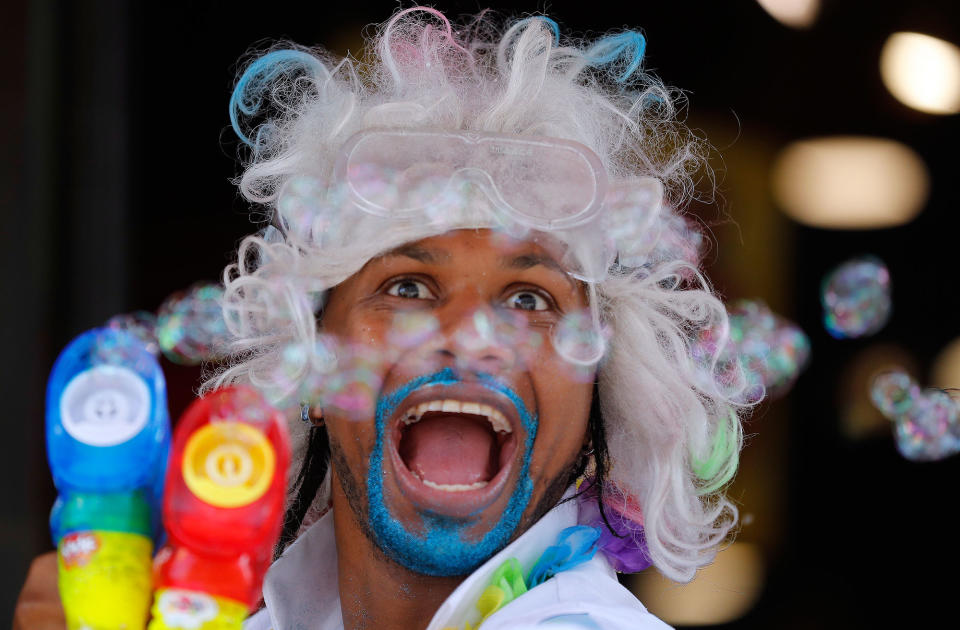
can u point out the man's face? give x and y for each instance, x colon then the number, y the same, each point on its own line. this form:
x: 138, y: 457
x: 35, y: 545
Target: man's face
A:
x: 475, y: 432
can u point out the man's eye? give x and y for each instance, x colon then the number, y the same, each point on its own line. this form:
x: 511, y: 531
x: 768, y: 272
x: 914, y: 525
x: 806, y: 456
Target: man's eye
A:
x: 527, y: 301
x: 411, y: 289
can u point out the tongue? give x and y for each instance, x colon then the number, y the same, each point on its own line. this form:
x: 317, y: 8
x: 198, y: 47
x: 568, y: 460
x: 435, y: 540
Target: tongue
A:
x: 450, y: 449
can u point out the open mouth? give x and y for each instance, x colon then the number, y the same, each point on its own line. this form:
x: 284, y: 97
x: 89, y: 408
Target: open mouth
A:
x: 453, y: 451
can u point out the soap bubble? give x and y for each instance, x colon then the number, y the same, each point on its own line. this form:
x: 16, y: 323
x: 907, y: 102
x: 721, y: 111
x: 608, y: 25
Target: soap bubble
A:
x: 578, y: 340
x: 770, y: 350
x: 190, y: 325
x: 302, y: 369
x: 630, y: 220
x: 680, y: 239
x: 412, y: 329
x: 645, y: 231
x: 294, y: 368
x: 112, y: 346
x: 354, y: 388
x: 240, y: 404
x: 773, y: 348
x: 140, y: 324
x: 926, y: 426
x: 307, y: 212
x: 893, y: 393
x: 856, y: 298
x: 505, y: 329
x: 474, y: 338
x: 927, y: 430
x: 332, y: 374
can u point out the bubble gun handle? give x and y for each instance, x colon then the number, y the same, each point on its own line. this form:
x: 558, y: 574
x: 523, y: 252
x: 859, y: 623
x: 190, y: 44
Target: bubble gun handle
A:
x: 108, y: 439
x: 223, y: 510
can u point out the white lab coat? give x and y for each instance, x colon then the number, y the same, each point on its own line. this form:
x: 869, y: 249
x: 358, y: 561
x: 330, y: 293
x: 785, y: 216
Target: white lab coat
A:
x: 301, y: 588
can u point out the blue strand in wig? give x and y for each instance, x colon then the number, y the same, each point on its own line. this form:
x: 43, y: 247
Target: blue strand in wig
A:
x: 248, y: 94
x: 552, y: 24
x: 629, y: 45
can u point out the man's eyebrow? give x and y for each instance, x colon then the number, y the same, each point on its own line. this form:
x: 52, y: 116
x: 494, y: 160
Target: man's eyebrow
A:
x: 420, y: 254
x: 526, y: 261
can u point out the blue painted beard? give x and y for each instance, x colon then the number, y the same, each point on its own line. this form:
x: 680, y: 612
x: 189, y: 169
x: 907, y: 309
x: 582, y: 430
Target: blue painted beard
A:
x: 443, y: 548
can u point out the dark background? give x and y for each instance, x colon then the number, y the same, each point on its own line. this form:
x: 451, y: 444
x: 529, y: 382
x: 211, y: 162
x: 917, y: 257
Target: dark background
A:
x: 115, y: 161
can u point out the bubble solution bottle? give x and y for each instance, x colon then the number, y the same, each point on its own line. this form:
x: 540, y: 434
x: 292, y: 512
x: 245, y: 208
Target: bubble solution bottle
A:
x: 222, y: 510
x: 108, y: 438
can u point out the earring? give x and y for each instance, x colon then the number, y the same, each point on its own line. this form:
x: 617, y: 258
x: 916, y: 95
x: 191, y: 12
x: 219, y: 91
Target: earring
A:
x: 313, y: 415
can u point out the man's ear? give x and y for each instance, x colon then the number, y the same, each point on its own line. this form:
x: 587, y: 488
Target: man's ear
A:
x: 585, y: 464
x: 595, y: 431
x: 586, y: 452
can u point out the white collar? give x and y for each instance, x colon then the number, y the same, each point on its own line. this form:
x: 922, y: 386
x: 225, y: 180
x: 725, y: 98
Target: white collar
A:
x: 301, y: 589
x: 302, y: 584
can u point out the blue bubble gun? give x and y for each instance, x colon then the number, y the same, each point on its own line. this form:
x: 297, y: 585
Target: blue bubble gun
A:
x: 108, y: 441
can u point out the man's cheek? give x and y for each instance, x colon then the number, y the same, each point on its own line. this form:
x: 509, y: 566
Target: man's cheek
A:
x: 351, y: 481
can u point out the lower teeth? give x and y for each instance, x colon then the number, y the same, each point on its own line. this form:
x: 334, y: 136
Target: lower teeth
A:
x: 454, y: 487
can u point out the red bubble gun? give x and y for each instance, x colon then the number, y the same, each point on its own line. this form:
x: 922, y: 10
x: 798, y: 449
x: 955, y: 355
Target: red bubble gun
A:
x: 222, y: 509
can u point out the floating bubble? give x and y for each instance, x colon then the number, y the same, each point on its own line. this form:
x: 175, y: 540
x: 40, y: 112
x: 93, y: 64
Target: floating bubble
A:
x: 578, y: 339
x: 140, y: 324
x: 242, y: 404
x: 334, y: 375
x: 354, y: 385
x: 893, y: 393
x: 513, y: 330
x: 478, y: 336
x: 928, y: 430
x: 115, y: 347
x: 190, y: 325
x: 444, y: 206
x: 310, y: 213
x: 766, y: 349
x: 856, y: 298
x: 412, y: 329
x: 645, y: 231
x: 779, y: 358
x: 301, y: 369
x: 505, y: 332
x: 680, y: 239
x: 289, y: 374
x: 926, y: 425
x: 630, y: 219
x: 705, y: 346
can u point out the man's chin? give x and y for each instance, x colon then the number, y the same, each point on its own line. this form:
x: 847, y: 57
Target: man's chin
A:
x: 443, y: 544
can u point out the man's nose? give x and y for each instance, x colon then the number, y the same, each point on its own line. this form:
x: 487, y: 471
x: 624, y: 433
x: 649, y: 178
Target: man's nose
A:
x: 474, y: 339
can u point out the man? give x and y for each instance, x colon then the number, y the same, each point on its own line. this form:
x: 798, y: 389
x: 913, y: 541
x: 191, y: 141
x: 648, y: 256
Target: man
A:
x: 513, y: 198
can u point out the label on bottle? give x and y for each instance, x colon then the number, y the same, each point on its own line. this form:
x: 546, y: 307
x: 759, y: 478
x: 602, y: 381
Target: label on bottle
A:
x: 176, y: 609
x: 105, y: 405
x: 78, y: 548
x: 105, y: 579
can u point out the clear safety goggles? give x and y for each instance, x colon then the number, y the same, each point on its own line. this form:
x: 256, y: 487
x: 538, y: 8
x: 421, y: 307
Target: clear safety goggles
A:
x: 542, y: 183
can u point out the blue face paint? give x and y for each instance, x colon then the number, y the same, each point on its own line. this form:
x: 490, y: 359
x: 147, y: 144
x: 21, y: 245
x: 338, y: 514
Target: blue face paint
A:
x: 443, y: 548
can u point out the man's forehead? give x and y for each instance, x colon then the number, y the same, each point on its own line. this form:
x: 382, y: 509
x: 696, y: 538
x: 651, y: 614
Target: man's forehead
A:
x: 508, y: 251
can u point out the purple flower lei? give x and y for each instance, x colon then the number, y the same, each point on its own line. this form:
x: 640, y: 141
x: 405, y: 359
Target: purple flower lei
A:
x: 626, y: 546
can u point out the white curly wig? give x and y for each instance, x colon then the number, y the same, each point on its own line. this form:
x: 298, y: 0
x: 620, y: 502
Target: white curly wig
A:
x: 673, y: 429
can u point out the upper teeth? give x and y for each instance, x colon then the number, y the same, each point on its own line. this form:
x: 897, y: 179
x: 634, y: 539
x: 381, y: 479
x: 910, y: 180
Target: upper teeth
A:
x: 496, y: 419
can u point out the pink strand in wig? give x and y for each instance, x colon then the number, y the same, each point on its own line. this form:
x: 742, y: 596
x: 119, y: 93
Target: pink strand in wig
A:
x: 408, y: 51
